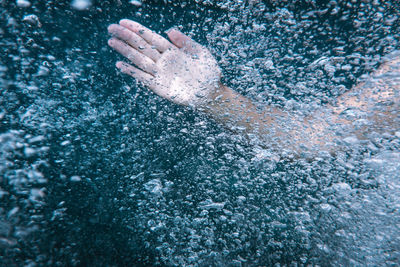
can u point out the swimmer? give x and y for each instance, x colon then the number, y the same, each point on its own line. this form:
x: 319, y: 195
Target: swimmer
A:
x: 185, y: 72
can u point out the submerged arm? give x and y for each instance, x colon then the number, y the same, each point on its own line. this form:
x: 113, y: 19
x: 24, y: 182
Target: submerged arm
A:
x: 186, y: 73
x: 371, y: 107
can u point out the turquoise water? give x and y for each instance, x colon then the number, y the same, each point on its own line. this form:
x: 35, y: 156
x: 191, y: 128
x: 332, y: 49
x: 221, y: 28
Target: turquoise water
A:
x: 98, y: 171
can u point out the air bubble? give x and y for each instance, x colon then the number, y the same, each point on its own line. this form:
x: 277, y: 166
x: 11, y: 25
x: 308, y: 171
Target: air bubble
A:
x: 32, y: 19
x: 23, y: 3
x: 135, y: 3
x: 75, y: 178
x: 81, y: 4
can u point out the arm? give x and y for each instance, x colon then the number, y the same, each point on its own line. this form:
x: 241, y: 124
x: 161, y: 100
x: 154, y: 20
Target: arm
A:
x: 371, y: 107
x: 186, y: 73
x: 376, y: 101
x: 270, y: 127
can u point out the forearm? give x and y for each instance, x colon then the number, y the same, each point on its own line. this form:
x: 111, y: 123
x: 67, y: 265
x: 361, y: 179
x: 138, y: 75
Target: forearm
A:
x: 237, y: 112
x: 270, y: 127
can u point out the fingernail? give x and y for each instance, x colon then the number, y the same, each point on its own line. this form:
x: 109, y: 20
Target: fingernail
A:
x: 170, y: 29
x: 111, y: 28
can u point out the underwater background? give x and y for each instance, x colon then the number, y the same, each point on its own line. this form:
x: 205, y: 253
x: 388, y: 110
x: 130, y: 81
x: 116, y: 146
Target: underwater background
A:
x: 96, y: 170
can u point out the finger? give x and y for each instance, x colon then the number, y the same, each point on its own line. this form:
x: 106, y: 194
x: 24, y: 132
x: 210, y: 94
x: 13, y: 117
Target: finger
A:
x: 134, y: 40
x: 154, y: 39
x: 183, y: 41
x: 140, y: 60
x: 136, y: 73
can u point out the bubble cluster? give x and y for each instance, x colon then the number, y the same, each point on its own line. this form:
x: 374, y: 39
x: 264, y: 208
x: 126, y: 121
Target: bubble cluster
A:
x: 96, y: 170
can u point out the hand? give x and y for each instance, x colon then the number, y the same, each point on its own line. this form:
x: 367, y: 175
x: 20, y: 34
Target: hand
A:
x: 183, y: 71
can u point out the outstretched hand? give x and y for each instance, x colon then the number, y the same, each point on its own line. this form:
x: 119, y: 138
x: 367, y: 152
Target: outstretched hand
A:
x: 181, y: 71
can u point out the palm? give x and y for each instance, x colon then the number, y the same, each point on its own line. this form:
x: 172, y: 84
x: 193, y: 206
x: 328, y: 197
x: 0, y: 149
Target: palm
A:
x: 182, y: 71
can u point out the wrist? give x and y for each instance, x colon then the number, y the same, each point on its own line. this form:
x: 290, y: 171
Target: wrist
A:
x: 216, y: 98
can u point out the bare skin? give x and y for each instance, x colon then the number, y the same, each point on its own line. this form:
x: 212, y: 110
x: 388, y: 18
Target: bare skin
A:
x: 186, y: 73
x: 183, y: 71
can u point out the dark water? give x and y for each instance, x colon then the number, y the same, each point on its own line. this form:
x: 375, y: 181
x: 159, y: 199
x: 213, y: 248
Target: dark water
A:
x: 96, y: 171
